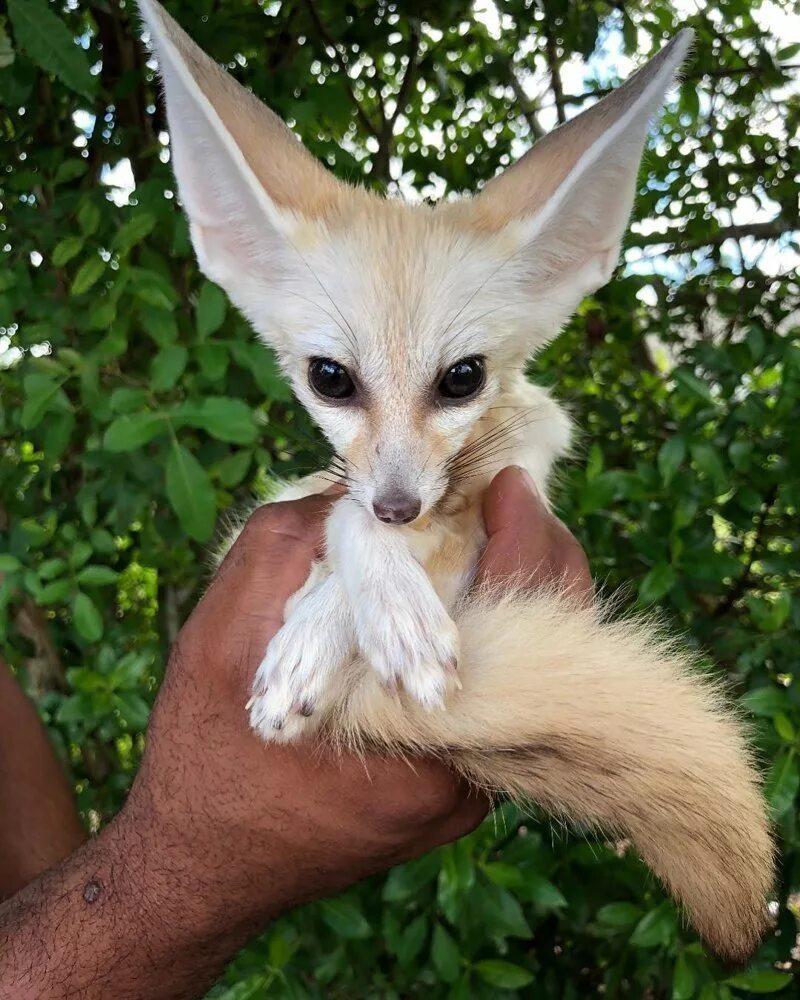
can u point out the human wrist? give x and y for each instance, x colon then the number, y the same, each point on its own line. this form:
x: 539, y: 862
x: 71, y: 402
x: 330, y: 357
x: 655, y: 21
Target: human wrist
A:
x: 209, y: 874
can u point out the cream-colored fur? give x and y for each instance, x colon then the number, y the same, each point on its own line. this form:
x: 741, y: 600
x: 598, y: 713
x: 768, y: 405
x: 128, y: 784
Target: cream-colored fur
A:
x: 602, y: 723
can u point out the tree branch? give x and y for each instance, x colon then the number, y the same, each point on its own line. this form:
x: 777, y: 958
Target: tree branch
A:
x: 340, y: 60
x: 711, y: 74
x: 555, y: 76
x: 406, y: 83
x: 525, y: 104
x: 757, y: 230
x: 742, y: 581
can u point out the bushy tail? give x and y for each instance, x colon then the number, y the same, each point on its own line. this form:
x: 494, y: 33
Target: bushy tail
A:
x: 603, y: 724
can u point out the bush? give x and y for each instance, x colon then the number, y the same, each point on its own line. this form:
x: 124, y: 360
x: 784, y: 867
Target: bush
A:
x: 135, y: 407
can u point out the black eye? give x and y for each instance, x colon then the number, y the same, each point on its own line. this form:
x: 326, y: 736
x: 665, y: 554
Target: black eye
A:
x: 330, y: 379
x: 464, y: 379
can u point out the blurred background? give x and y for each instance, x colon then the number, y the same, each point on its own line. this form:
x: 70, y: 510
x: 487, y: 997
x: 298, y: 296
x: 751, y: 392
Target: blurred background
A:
x: 136, y: 407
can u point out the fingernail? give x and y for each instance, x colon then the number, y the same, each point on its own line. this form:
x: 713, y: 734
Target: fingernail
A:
x: 527, y: 479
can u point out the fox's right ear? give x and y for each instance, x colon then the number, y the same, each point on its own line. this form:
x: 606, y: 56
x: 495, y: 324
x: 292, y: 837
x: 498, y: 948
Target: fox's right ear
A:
x: 251, y: 191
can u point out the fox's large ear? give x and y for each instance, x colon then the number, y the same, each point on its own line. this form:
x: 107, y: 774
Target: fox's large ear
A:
x: 569, y: 198
x: 250, y: 189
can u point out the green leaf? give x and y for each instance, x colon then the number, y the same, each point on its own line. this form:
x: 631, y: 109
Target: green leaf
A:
x: 133, y: 709
x: 782, y: 784
x: 213, y: 360
x: 159, y: 324
x: 708, y: 461
x: 544, y: 894
x: 127, y: 400
x: 502, y: 911
x: 445, y: 955
x: 761, y: 981
x: 81, y: 551
x: 690, y: 385
x: 190, y: 492
x: 133, y: 232
x: 211, y: 308
x: 682, y: 980
x: 410, y: 942
x: 765, y: 701
x: 6, y: 49
x: 784, y: 728
x: 770, y: 614
x: 49, y: 43
x: 55, y: 592
x: 133, y: 430
x: 509, y: 876
x: 88, y: 620
x: 345, y: 918
x: 406, y: 880
x: 658, y: 582
x: 40, y: 394
x: 167, y: 367
x: 263, y: 367
x: 97, y: 576
x: 224, y: 418
x: 621, y: 915
x: 503, y: 975
x: 670, y: 456
x: 88, y: 273
x: 10, y: 564
x: 233, y: 469
x: 68, y: 248
x: 88, y: 216
x: 655, y: 928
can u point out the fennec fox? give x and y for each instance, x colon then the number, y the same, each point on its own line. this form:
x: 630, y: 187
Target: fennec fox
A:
x: 404, y: 330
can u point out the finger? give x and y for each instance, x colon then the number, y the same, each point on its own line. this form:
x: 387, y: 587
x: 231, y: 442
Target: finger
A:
x: 526, y: 542
x: 517, y: 525
x: 270, y: 560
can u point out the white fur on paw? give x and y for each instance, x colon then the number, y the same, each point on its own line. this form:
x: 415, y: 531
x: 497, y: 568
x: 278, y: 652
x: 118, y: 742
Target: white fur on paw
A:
x: 413, y: 644
x: 296, y: 681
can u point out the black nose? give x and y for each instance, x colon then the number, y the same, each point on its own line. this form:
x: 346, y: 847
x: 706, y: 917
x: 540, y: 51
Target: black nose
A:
x: 397, y: 508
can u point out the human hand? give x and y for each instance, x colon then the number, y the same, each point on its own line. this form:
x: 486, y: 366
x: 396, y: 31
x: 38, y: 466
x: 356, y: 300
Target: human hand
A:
x: 254, y: 829
x: 526, y: 542
x: 220, y: 832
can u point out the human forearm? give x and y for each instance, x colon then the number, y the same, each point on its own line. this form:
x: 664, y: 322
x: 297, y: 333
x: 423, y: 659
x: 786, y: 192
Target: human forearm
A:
x: 122, y: 917
x: 40, y: 824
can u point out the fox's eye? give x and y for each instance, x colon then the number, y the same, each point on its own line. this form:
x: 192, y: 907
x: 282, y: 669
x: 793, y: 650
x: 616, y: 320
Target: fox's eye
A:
x: 464, y: 379
x: 330, y: 379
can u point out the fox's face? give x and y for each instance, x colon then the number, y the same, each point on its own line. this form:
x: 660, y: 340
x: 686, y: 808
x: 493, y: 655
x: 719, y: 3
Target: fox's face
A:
x: 400, y: 326
x: 398, y: 333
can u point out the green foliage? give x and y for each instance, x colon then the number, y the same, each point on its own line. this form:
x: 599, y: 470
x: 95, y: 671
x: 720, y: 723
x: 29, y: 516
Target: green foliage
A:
x: 135, y: 407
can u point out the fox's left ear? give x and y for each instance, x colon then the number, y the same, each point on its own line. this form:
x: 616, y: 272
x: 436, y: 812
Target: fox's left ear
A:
x: 566, y: 203
x: 253, y: 194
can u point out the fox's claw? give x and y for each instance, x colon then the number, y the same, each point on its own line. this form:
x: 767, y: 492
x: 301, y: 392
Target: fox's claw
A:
x: 413, y: 645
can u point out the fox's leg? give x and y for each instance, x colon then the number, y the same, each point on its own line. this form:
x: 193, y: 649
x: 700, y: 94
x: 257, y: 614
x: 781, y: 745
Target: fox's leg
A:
x: 303, y: 666
x: 401, y: 626
x: 301, y: 673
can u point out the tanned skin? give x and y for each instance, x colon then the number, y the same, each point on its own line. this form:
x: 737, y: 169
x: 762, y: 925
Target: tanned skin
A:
x: 222, y: 833
x: 39, y: 822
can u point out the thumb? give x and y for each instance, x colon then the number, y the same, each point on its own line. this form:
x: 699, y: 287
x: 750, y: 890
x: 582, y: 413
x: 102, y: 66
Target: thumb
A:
x: 516, y: 524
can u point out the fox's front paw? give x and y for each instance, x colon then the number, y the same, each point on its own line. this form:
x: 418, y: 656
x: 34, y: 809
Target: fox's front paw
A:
x: 296, y: 681
x: 413, y: 644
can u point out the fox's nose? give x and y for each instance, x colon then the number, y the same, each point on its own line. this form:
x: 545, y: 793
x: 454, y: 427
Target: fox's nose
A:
x: 396, y: 508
